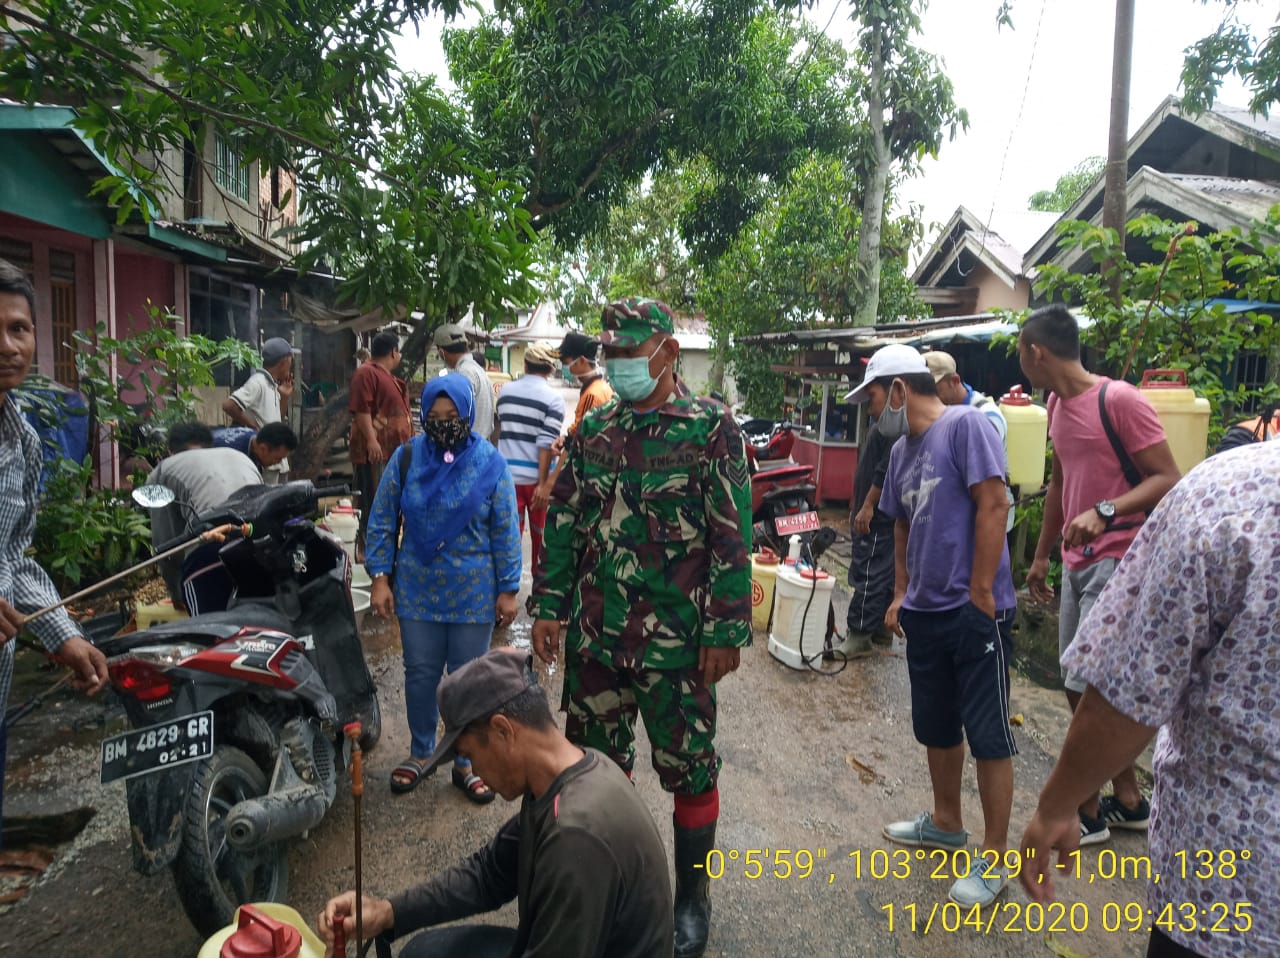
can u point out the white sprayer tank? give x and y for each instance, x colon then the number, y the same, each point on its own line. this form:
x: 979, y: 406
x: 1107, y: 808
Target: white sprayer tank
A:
x: 792, y: 589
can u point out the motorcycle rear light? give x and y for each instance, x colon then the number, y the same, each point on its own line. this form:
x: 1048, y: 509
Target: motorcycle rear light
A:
x: 138, y: 679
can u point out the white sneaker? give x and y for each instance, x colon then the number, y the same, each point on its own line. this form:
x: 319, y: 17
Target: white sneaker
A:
x: 973, y: 889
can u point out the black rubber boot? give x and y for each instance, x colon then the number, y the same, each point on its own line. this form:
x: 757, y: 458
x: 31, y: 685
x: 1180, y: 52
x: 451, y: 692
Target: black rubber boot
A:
x: 693, y: 889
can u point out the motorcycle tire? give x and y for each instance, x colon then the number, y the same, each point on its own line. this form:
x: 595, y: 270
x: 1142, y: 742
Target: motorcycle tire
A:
x: 212, y: 878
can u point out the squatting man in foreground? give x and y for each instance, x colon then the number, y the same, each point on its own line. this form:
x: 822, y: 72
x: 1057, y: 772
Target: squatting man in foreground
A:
x: 582, y: 858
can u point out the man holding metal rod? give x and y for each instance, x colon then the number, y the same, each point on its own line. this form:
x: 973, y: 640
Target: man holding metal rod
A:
x: 24, y: 586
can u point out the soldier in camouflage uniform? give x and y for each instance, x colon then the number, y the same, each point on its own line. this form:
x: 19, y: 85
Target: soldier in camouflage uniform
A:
x: 646, y: 557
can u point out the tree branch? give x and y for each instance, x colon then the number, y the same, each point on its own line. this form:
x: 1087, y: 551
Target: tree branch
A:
x: 204, y: 109
x: 538, y: 209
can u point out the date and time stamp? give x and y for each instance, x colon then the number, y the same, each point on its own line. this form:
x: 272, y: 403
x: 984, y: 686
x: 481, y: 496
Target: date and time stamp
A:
x: 1005, y: 916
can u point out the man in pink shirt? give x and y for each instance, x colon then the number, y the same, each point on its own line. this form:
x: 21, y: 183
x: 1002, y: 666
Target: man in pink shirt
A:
x: 1104, y: 483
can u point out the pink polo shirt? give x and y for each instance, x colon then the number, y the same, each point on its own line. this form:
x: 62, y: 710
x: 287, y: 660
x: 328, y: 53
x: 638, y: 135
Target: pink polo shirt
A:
x: 1090, y: 470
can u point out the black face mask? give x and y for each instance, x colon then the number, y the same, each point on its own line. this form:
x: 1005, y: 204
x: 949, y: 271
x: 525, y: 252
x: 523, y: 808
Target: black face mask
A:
x: 448, y: 434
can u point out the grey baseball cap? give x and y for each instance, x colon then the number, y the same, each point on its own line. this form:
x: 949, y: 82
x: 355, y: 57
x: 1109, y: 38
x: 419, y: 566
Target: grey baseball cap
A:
x: 479, y: 688
x: 450, y: 335
x: 274, y: 350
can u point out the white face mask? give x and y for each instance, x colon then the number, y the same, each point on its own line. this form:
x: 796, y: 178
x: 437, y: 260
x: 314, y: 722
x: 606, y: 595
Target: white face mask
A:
x: 892, y: 423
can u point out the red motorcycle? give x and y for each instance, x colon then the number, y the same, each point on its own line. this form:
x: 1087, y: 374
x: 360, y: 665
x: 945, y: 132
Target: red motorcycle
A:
x: 783, y: 503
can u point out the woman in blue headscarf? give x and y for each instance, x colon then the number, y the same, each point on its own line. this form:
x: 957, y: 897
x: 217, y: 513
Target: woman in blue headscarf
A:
x: 458, y: 566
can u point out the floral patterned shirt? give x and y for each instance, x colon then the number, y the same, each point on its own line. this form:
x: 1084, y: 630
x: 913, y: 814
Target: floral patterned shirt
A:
x: 1186, y: 636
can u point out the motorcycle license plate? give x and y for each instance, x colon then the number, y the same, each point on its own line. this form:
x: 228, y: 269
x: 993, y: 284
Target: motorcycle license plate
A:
x: 800, y: 522
x: 143, y: 750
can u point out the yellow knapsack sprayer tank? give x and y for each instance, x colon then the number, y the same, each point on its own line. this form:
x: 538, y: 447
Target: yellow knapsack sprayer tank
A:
x: 1027, y: 437
x: 1184, y: 415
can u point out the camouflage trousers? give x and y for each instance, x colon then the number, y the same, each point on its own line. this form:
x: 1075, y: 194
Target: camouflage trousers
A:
x: 679, y: 712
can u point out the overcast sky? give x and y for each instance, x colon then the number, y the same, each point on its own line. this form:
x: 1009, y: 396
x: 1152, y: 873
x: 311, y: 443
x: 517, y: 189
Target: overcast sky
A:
x: 1048, y: 108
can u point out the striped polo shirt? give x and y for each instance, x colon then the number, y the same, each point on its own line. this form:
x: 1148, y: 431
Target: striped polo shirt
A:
x: 530, y: 415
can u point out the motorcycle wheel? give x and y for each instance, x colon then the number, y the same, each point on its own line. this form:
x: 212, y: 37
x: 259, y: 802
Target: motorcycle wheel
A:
x: 213, y: 878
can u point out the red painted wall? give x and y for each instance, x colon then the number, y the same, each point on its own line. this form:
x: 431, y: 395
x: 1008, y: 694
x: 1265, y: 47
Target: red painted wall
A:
x: 138, y: 279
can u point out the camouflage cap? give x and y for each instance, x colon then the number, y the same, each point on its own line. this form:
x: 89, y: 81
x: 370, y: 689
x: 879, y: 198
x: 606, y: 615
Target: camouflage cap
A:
x: 629, y: 322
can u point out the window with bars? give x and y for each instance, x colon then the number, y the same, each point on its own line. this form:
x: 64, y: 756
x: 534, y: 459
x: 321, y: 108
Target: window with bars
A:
x: 62, y: 302
x: 230, y: 171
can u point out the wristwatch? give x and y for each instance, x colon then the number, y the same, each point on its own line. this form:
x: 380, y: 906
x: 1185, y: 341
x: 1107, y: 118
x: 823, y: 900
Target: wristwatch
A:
x: 1106, y: 510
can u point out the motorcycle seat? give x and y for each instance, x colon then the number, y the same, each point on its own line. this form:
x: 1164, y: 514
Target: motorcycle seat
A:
x: 772, y: 465
x: 212, y: 626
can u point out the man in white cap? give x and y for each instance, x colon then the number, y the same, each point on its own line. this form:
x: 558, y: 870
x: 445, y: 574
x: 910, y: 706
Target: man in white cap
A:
x: 265, y: 396
x: 530, y: 417
x: 451, y: 344
x: 953, y: 595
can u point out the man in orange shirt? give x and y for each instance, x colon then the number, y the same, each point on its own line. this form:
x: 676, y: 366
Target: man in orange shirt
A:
x: 379, y: 419
x: 579, y: 362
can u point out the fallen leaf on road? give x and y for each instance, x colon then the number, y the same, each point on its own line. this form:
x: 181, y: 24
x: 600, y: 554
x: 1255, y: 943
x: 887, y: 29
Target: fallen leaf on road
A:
x: 866, y: 773
x: 1062, y: 951
x: 1016, y: 719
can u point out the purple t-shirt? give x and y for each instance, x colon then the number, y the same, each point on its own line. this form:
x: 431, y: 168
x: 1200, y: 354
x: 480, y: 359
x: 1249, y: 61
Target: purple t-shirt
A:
x: 928, y: 483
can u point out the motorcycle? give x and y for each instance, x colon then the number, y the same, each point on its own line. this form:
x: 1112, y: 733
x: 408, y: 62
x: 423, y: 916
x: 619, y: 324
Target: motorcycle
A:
x: 783, y: 503
x: 776, y: 444
x: 236, y: 717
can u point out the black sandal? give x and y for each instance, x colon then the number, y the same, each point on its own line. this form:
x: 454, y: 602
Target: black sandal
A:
x: 406, y: 776
x: 473, y: 786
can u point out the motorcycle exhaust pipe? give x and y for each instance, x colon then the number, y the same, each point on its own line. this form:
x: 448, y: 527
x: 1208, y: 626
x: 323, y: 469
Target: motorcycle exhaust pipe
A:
x: 272, y: 818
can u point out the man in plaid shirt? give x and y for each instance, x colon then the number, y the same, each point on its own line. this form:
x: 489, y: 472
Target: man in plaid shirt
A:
x: 24, y: 586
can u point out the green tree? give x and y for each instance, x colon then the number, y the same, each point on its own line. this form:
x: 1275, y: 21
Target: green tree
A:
x: 1070, y: 186
x: 1232, y: 49
x: 792, y: 267
x: 385, y: 179
x: 580, y: 101
x: 910, y: 108
x: 1171, y: 314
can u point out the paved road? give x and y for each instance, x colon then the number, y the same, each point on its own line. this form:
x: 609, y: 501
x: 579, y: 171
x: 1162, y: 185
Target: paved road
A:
x: 811, y: 763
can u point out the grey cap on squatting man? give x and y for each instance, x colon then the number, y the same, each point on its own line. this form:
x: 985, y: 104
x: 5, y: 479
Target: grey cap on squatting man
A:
x: 274, y: 350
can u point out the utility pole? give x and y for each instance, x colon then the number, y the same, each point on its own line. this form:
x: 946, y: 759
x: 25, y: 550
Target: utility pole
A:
x: 1114, y: 199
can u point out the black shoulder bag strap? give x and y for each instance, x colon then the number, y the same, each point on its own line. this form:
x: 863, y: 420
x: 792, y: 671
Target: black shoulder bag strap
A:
x: 406, y: 460
x: 1131, y: 473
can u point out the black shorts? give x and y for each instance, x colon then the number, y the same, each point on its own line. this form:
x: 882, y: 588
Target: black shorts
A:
x: 959, y: 666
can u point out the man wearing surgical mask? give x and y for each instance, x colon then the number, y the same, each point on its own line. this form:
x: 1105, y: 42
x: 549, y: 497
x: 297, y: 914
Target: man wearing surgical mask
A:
x: 953, y: 597
x: 646, y: 559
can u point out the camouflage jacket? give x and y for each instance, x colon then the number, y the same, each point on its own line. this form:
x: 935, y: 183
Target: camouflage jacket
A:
x: 648, y: 534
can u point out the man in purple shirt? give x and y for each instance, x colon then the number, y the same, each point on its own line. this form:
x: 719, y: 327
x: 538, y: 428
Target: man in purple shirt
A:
x: 953, y: 598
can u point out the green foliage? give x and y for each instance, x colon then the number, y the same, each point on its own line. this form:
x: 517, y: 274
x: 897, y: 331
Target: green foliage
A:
x: 386, y: 173
x: 579, y: 101
x: 1232, y: 49
x: 1070, y: 186
x: 1168, y: 322
x: 84, y: 535
x: 792, y: 268
x: 639, y: 251
x: 150, y: 376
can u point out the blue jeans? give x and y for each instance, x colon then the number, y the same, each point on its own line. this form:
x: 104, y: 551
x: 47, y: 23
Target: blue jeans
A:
x: 428, y: 648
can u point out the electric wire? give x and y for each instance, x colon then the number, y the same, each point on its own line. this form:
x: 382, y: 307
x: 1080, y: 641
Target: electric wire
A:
x: 1013, y: 129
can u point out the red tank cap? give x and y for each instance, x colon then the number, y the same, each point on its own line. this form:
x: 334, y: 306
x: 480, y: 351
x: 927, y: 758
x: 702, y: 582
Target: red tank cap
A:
x: 258, y: 935
x: 1015, y: 397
